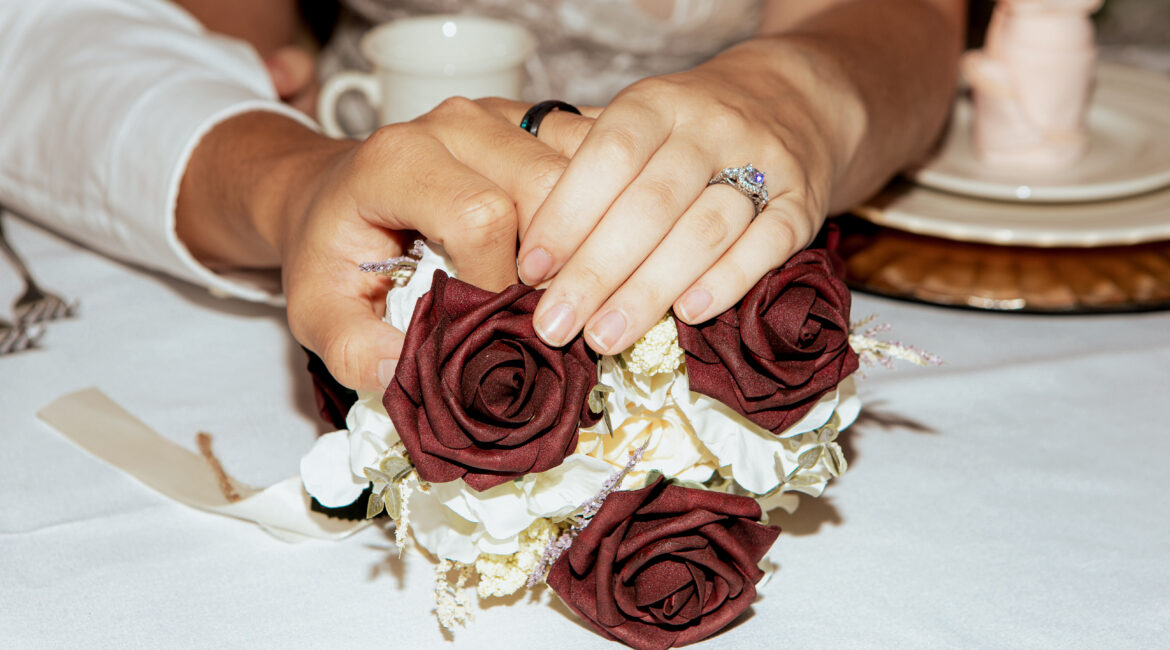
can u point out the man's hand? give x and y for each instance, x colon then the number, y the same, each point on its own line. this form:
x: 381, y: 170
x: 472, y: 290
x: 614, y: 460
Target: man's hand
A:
x: 262, y: 190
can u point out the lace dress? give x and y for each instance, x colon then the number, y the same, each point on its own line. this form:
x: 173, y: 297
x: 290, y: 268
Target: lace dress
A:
x: 587, y: 51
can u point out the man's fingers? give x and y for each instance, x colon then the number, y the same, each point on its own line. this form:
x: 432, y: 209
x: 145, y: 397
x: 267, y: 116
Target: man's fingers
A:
x: 538, y: 163
x: 404, y: 179
x: 358, y: 348
x: 463, y: 176
x: 480, y: 237
x: 524, y: 167
x: 562, y: 130
x: 565, y: 131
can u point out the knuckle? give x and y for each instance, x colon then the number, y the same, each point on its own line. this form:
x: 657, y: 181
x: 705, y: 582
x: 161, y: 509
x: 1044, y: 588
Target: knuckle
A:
x: 619, y: 146
x: 505, y: 140
x: 493, y: 104
x: 484, y: 215
x: 734, y: 275
x: 457, y: 106
x: 711, y: 229
x: 789, y: 231
x: 658, y: 196
x: 337, y: 353
x: 386, y: 143
x: 655, y: 90
x: 726, y: 118
x: 579, y: 129
x: 388, y: 136
x: 593, y: 280
x: 783, y: 231
x: 547, y: 170
x: 645, y: 297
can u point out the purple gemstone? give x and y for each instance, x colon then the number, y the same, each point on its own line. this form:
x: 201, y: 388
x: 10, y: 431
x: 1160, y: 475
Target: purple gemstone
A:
x: 758, y: 178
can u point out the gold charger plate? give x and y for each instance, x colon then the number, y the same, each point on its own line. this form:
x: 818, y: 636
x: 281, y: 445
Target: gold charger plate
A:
x: 908, y: 266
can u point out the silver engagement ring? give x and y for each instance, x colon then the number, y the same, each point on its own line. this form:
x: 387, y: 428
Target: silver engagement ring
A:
x: 748, y: 180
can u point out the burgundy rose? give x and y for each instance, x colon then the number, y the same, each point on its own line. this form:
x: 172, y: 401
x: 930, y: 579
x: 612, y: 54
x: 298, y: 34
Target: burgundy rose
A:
x: 477, y: 395
x: 771, y: 357
x: 665, y: 565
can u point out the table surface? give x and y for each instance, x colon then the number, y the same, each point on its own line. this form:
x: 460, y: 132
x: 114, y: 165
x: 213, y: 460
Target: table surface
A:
x: 1014, y: 497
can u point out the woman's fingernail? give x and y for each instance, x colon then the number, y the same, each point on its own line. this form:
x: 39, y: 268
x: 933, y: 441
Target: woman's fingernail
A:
x: 535, y: 266
x: 554, y: 325
x: 693, y: 304
x: 386, y: 369
x: 608, y: 330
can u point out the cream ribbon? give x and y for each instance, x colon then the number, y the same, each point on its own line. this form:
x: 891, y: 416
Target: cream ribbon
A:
x: 97, y: 424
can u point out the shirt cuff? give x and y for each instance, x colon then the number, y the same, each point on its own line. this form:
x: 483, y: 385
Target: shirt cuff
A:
x: 193, y: 109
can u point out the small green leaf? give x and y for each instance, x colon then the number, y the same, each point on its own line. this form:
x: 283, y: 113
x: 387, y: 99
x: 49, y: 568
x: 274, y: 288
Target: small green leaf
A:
x: 376, y: 476
x: 608, y: 423
x: 694, y: 485
x: 374, y: 506
x: 393, y: 501
x: 395, y: 468
x: 837, y: 462
x: 597, y: 397
x: 808, y: 459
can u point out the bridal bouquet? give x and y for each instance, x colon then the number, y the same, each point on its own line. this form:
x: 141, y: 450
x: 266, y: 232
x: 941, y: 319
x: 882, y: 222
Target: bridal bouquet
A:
x: 634, y: 485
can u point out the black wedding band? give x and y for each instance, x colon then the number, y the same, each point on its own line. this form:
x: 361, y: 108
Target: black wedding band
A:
x: 535, y: 115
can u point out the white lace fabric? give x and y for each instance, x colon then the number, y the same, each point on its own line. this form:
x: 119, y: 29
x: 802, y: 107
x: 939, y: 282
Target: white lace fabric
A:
x: 587, y: 51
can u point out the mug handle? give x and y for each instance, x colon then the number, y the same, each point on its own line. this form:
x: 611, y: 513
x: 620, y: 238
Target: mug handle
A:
x: 337, y: 86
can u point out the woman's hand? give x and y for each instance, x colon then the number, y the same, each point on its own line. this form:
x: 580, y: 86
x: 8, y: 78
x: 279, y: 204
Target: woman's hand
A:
x: 633, y: 228
x: 262, y: 190
x: 829, y: 102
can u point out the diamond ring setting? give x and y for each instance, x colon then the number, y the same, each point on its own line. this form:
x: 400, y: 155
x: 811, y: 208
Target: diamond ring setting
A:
x: 748, y: 180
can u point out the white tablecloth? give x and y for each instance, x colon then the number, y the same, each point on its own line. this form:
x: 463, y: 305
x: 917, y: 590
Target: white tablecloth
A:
x: 1015, y: 497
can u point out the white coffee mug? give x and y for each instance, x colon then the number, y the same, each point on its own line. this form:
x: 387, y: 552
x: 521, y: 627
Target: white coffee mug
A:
x: 419, y: 62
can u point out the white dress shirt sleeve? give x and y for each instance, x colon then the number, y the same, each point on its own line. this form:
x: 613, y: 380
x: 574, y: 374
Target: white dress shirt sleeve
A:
x: 103, y: 102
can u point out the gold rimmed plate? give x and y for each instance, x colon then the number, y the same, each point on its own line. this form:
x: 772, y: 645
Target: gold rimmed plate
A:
x: 1058, y: 280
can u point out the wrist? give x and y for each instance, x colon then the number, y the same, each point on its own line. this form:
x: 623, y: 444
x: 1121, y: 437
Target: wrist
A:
x: 247, y: 185
x: 805, y: 71
x: 297, y: 165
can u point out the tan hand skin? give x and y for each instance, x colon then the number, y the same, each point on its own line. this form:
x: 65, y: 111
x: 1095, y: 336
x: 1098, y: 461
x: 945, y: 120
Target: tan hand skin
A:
x: 293, y: 70
x: 829, y: 103
x: 831, y: 100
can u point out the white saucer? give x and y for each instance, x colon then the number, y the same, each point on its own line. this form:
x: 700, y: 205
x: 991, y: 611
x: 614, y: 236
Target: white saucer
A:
x: 1129, y: 148
x: 925, y: 211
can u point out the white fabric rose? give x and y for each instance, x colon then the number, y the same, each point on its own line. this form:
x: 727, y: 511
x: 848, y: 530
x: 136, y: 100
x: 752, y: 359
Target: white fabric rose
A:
x: 441, y: 531
x: 759, y: 460
x: 500, y: 514
x: 332, y: 471
x: 686, y: 435
x: 671, y: 446
x: 400, y: 301
x: 326, y: 474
